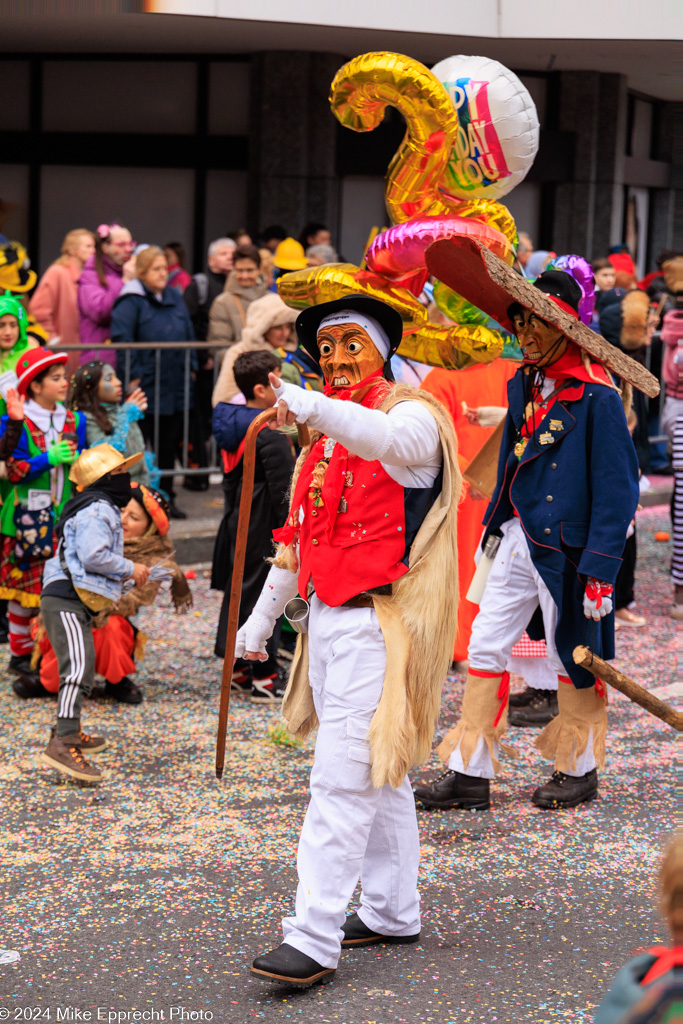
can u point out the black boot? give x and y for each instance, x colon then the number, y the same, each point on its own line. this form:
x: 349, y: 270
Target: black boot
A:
x: 540, y: 710
x: 28, y: 686
x: 520, y: 700
x: 125, y: 692
x: 452, y: 789
x: 21, y: 666
x: 175, y: 512
x: 566, y: 791
x: 358, y: 934
x: 290, y: 967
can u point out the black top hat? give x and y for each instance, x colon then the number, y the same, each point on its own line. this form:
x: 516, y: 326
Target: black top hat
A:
x: 560, y: 284
x: 309, y: 320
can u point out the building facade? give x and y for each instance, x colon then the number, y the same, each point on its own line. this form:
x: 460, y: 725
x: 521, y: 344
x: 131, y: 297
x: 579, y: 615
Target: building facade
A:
x: 182, y: 121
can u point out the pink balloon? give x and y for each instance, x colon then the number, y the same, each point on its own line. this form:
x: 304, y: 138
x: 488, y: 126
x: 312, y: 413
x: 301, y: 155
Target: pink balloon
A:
x: 400, y: 251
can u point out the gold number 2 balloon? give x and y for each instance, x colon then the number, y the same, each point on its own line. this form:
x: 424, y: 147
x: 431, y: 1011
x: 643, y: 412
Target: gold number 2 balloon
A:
x: 417, y: 176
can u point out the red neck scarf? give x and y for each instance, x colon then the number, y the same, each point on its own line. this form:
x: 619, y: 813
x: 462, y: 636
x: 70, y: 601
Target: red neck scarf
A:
x: 374, y: 381
x: 570, y: 366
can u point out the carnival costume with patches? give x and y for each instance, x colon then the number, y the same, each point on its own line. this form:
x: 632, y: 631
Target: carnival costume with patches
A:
x: 566, y: 492
x: 370, y: 542
x: 34, y: 495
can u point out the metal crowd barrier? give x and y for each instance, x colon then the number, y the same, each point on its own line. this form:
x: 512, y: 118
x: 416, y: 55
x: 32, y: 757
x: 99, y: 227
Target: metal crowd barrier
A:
x: 158, y: 347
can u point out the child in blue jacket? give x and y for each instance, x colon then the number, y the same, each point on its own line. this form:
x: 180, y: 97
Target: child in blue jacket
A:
x: 84, y: 577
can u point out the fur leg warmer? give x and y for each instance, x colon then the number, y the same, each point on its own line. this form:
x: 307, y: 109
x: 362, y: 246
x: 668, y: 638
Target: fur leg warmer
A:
x: 566, y: 737
x: 484, y: 713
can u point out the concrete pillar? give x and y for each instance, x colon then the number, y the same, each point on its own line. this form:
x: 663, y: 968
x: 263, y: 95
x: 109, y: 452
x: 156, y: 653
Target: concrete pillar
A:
x: 293, y: 140
x: 588, y: 209
x: 666, y: 205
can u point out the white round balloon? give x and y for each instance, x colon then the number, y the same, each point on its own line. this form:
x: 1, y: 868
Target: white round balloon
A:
x: 498, y: 127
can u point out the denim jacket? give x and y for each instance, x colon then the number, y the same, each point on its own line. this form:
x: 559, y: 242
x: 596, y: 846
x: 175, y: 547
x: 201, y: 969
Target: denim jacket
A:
x: 93, y: 551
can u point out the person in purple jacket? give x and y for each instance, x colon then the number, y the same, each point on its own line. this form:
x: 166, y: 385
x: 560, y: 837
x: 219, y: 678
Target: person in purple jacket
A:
x: 101, y: 281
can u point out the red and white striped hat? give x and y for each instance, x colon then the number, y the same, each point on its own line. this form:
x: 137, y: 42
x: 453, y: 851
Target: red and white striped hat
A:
x: 34, y: 362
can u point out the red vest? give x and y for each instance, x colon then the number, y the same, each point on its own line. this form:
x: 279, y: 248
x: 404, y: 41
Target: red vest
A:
x: 355, y: 540
x: 353, y: 536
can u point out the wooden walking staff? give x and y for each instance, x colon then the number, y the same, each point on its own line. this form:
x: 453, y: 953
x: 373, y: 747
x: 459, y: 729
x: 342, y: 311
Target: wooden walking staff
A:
x: 238, y: 572
x: 634, y: 691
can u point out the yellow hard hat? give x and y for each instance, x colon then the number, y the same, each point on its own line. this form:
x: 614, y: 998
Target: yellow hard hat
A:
x: 94, y: 463
x: 290, y: 255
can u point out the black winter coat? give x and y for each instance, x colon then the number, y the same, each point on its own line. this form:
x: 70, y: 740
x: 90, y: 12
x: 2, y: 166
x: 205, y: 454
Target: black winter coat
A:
x: 269, y: 505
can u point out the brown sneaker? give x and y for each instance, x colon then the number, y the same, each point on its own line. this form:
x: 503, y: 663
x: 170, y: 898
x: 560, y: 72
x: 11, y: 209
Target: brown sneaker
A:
x: 93, y: 744
x: 64, y: 753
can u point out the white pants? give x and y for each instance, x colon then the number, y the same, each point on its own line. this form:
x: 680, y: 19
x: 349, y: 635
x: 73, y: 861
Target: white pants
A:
x: 351, y: 829
x: 513, y: 591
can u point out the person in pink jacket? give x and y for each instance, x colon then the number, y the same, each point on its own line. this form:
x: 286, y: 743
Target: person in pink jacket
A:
x: 54, y: 303
x: 101, y: 281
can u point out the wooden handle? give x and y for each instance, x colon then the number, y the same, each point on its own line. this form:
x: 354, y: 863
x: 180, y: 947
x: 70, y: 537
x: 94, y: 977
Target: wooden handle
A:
x: 634, y: 691
x: 238, y: 572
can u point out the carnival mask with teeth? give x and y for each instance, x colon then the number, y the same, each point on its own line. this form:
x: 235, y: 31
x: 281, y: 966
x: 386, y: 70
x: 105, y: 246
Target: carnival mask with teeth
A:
x: 347, y: 355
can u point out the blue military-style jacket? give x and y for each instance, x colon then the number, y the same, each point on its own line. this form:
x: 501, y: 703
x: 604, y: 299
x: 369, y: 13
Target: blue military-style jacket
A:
x: 575, y: 490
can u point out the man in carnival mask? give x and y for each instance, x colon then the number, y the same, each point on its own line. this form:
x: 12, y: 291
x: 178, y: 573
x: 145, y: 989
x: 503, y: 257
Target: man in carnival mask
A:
x: 370, y: 543
x: 566, y: 492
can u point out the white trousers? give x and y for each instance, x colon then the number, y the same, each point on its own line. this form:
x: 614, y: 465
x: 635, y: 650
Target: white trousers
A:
x: 351, y: 828
x: 513, y: 591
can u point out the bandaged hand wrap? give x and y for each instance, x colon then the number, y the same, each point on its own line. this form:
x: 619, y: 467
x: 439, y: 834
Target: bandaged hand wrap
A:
x: 279, y: 588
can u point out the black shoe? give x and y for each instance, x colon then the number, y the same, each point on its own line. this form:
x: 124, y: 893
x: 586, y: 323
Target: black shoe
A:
x: 20, y: 664
x: 358, y: 934
x: 175, y: 512
x: 452, y: 789
x: 540, y: 710
x: 125, y: 692
x: 28, y: 686
x: 290, y: 967
x: 566, y: 791
x: 240, y: 683
x: 196, y: 483
x: 520, y: 700
x: 268, y: 691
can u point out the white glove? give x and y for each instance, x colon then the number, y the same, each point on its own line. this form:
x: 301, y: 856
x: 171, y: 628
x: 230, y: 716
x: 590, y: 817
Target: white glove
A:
x: 279, y: 588
x: 597, y: 600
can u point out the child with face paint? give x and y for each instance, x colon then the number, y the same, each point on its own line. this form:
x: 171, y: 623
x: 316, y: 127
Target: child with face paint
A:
x: 51, y: 439
x: 96, y: 391
x: 85, y: 577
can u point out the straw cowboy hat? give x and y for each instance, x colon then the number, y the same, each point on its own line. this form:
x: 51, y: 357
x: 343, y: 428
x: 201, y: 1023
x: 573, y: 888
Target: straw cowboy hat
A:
x: 94, y: 463
x: 486, y: 281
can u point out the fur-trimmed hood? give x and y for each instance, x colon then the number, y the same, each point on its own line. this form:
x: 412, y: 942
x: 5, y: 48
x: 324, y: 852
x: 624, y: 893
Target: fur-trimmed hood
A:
x: 264, y: 313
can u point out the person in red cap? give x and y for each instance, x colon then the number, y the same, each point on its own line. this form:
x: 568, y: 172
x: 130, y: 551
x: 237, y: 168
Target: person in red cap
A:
x: 51, y: 439
x: 555, y: 529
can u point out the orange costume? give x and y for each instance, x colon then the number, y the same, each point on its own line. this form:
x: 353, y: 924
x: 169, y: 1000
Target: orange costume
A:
x: 481, y: 384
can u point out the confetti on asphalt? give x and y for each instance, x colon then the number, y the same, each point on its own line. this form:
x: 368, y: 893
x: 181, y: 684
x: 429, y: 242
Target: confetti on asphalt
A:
x: 159, y: 887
